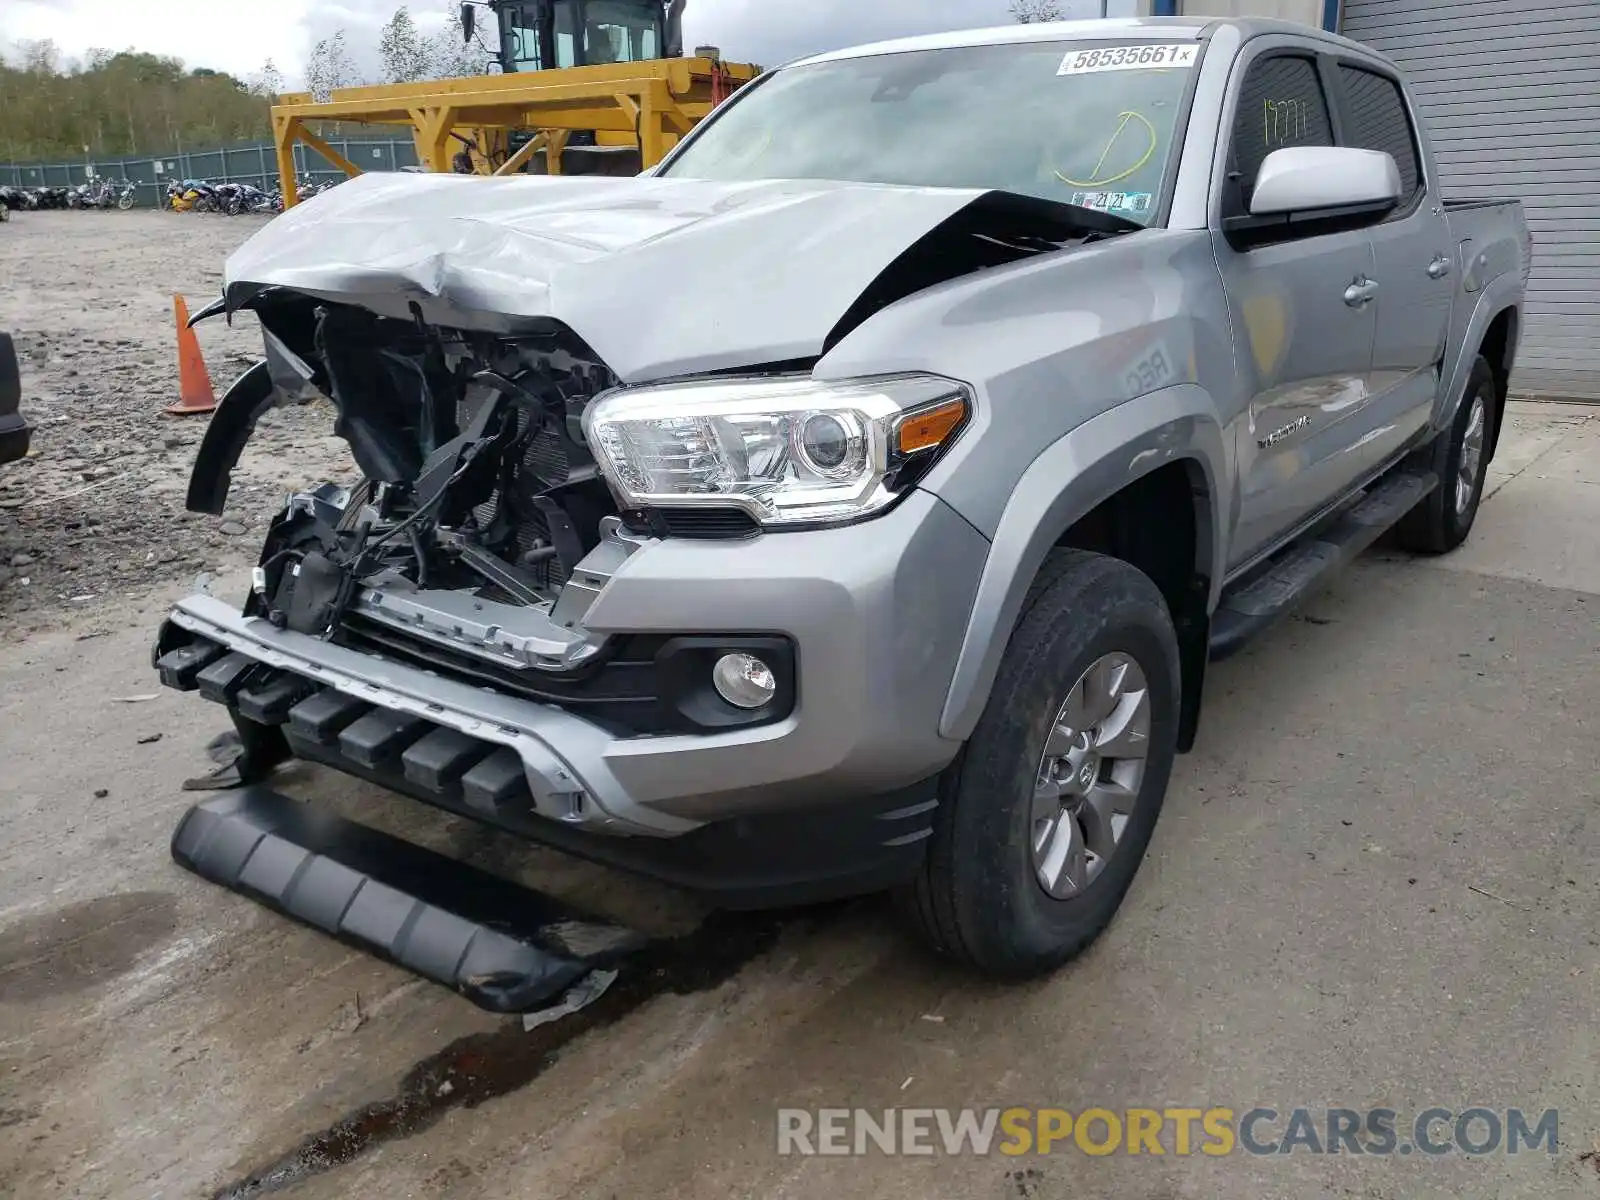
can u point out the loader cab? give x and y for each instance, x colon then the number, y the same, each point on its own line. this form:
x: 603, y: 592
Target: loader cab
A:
x: 541, y: 35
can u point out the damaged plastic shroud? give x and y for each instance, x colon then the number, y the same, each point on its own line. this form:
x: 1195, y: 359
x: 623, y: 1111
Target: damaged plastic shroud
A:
x: 504, y: 947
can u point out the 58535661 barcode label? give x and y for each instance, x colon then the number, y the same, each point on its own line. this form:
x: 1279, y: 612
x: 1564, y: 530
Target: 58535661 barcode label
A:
x: 1130, y: 58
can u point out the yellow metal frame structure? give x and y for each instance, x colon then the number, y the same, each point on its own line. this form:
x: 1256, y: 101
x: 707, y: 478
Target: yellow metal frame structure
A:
x: 650, y: 104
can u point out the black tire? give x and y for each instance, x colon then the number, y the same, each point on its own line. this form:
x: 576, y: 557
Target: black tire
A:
x: 1439, y: 524
x: 977, y: 900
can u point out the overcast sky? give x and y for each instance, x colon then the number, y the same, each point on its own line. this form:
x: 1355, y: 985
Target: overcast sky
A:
x: 236, y: 37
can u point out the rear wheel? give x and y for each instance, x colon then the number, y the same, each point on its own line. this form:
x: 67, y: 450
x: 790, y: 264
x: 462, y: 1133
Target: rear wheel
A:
x: 1045, y: 817
x: 1461, y: 460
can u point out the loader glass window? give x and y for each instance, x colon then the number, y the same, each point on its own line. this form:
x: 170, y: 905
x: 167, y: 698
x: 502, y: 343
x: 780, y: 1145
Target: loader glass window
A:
x: 1087, y: 123
x: 521, y: 37
x: 620, y: 32
x: 566, y: 30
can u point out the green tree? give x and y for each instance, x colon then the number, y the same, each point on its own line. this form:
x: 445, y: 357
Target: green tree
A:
x: 126, y: 103
x: 330, y: 67
x: 1031, y: 11
x: 405, y: 54
x: 452, y: 55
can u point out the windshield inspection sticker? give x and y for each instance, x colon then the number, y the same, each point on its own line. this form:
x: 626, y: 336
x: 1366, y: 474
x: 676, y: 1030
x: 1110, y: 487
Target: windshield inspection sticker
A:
x: 1130, y: 58
x: 1137, y: 203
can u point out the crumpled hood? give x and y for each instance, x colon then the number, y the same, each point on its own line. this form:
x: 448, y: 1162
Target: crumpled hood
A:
x: 659, y: 276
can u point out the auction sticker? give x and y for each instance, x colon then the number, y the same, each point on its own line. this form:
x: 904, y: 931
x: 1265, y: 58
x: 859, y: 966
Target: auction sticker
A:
x: 1116, y: 202
x: 1130, y: 58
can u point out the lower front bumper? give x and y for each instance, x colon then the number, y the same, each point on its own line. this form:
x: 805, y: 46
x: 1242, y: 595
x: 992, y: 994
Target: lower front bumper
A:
x: 875, y: 613
x: 758, y: 861
x: 839, y: 790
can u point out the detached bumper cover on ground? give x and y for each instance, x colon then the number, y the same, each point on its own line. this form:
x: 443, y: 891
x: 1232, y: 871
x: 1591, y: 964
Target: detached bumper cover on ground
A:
x: 504, y: 947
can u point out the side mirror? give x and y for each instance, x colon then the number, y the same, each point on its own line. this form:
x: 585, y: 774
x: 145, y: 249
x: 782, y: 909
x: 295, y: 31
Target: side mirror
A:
x: 469, y: 22
x: 1312, y: 180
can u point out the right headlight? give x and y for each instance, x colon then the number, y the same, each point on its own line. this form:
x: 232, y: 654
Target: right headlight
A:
x: 790, y: 451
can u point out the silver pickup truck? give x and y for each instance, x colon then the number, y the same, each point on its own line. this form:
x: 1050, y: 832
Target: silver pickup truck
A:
x: 855, y: 502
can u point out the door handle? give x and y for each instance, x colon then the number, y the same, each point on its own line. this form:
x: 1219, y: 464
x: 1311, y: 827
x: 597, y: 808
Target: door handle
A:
x: 1361, y: 291
x: 1439, y: 267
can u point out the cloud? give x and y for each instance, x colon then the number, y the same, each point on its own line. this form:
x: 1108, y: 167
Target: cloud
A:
x: 768, y: 33
x: 222, y: 36
x: 226, y: 35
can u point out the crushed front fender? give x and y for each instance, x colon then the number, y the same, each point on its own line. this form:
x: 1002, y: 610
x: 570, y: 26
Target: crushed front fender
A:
x: 231, y: 425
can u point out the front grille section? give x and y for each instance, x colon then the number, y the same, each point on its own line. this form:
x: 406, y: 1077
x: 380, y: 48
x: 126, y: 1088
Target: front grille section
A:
x: 707, y: 523
x: 618, y: 694
x: 407, y: 753
x: 641, y: 686
x: 645, y: 685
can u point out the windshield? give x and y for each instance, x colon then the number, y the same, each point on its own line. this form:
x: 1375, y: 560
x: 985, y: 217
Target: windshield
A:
x: 1087, y: 123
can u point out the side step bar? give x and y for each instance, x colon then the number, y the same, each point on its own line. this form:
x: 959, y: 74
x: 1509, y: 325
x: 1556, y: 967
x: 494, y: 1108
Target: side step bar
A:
x: 505, y: 947
x: 1296, y: 572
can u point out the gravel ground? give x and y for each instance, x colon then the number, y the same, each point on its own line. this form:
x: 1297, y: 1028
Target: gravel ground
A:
x: 95, y: 513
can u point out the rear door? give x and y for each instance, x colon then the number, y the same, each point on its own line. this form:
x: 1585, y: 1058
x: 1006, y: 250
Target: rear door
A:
x: 1303, y: 322
x: 1415, y: 263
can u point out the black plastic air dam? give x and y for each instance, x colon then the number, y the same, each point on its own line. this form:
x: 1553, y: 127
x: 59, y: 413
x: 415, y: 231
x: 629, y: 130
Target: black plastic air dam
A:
x: 502, y: 946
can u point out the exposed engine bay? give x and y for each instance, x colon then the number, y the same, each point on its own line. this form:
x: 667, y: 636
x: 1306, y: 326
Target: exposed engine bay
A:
x: 479, y: 499
x: 461, y: 329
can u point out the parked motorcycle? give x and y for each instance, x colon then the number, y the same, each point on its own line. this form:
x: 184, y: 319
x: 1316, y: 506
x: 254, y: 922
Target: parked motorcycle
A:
x: 202, y: 196
x: 307, y: 187
x: 251, y: 199
x: 227, y: 197
x: 127, y: 194
x: 100, y: 193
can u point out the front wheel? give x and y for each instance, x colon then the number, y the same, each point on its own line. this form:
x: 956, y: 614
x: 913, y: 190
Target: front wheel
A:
x: 1046, y: 815
x: 125, y: 202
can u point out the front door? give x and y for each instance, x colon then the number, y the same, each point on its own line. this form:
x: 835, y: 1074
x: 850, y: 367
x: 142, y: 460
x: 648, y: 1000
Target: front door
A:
x: 1303, y: 319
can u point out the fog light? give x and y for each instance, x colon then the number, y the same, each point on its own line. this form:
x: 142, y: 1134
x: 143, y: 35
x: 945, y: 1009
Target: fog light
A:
x: 744, y: 680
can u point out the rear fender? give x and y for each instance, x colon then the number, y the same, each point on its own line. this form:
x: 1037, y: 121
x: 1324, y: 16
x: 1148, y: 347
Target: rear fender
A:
x: 1501, y: 293
x: 1066, y: 482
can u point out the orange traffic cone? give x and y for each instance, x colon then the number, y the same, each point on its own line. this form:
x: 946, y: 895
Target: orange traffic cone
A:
x: 194, y: 381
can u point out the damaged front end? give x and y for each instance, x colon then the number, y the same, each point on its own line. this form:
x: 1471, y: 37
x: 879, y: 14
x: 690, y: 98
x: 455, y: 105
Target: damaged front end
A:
x: 479, y: 503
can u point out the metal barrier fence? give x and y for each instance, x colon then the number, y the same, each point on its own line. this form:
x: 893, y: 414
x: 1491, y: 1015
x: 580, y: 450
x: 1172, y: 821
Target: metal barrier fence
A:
x: 253, y: 163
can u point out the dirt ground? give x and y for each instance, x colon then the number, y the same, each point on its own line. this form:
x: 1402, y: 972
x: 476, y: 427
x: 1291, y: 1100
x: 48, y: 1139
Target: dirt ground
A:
x: 1376, y: 882
x: 97, y: 510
